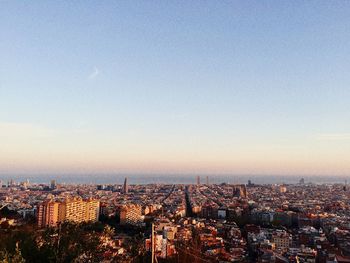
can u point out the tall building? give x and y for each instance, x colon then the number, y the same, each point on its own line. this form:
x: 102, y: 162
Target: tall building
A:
x: 125, y: 186
x: 50, y: 213
x: 207, y: 180
x: 198, y: 180
x: 92, y: 210
x: 73, y: 209
x: 131, y: 214
x: 53, y: 184
x: 240, y: 191
x: 79, y: 210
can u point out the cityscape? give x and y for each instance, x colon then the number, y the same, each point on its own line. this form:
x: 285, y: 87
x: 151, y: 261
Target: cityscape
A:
x: 199, y: 222
x: 182, y: 131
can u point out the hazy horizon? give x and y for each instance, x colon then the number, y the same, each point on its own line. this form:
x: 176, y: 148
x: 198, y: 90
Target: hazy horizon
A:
x: 172, y: 178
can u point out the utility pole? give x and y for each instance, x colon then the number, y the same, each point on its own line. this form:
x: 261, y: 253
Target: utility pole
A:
x: 152, y: 242
x: 58, y: 257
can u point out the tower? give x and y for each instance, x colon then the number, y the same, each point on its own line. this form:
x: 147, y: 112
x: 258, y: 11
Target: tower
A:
x: 345, y: 187
x: 198, y: 180
x: 53, y: 184
x: 125, y: 186
x: 240, y: 191
x: 207, y: 180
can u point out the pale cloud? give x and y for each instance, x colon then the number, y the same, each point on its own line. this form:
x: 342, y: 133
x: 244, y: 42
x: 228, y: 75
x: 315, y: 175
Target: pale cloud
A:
x: 94, y: 73
x: 333, y: 136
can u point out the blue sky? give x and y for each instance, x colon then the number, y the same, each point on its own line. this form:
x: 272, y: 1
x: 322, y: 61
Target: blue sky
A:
x: 253, y: 87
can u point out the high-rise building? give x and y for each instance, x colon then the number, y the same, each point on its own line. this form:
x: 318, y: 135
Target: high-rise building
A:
x: 92, y: 210
x: 345, y: 187
x: 131, y: 214
x: 198, y: 180
x: 240, y: 191
x: 50, y: 213
x: 207, y: 180
x: 73, y: 209
x: 53, y: 184
x: 11, y: 183
x: 125, y: 186
x: 79, y: 210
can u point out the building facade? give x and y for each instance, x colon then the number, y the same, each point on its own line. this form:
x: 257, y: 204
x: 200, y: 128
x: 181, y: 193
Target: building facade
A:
x: 50, y: 213
x: 131, y: 215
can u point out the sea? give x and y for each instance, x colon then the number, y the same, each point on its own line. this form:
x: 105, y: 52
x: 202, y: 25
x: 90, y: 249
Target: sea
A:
x: 171, y: 178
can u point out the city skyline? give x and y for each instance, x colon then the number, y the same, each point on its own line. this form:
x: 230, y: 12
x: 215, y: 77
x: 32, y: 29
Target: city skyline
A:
x: 175, y: 88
